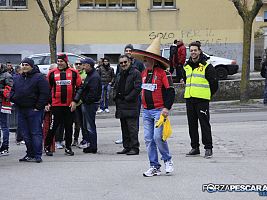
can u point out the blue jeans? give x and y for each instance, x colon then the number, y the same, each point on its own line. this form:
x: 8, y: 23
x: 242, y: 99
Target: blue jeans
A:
x: 89, y: 112
x: 153, y: 138
x: 105, y: 96
x: 30, y: 122
x: 5, y: 129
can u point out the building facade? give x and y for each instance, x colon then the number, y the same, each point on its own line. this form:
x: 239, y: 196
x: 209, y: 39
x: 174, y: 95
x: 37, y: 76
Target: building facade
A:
x: 100, y: 28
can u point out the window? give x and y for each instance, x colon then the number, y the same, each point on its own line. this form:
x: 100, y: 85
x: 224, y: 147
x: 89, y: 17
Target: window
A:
x: 113, y: 58
x: 265, y: 16
x: 13, y: 58
x: 163, y: 4
x: 13, y: 3
x: 106, y: 4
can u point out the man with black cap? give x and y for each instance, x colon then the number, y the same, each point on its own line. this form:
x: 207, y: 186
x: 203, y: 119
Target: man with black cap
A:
x: 30, y: 93
x: 63, y: 82
x: 90, y: 94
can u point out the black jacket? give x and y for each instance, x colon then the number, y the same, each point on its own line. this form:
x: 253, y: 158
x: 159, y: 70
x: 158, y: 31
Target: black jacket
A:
x: 210, y: 75
x: 30, y: 90
x: 263, y: 68
x: 90, y: 91
x: 126, y: 95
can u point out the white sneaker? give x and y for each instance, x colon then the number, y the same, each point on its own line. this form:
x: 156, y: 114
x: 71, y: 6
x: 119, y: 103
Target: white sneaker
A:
x: 100, y: 111
x: 152, y: 171
x: 83, y: 144
x: 59, y: 145
x: 119, y: 141
x: 4, y: 152
x: 107, y: 110
x: 169, y: 166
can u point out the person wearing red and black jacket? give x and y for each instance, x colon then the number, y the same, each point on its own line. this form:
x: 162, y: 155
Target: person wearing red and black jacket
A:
x: 6, y: 83
x: 63, y: 81
x: 179, y: 59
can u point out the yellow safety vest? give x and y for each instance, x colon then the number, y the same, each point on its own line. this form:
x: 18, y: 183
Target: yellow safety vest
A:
x: 196, y: 84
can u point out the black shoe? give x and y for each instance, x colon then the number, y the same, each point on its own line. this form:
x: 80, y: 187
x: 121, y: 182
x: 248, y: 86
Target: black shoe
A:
x: 208, y: 153
x: 124, y: 151
x: 48, y: 152
x: 69, y: 152
x: 26, y: 159
x: 89, y: 150
x: 193, y: 152
x: 133, y: 152
x: 38, y: 160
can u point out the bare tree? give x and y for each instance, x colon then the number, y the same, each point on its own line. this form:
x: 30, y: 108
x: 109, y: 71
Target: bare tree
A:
x: 247, y: 9
x: 57, y: 7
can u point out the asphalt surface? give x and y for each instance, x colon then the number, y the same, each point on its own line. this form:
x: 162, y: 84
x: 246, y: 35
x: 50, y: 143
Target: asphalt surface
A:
x: 239, y: 137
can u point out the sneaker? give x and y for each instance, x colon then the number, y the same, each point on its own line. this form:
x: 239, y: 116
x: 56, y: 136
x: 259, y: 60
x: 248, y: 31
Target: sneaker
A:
x: 26, y: 159
x: 69, y: 152
x: 118, y: 141
x: 38, y: 160
x: 75, y: 143
x: 48, y: 152
x: 59, y: 145
x: 20, y: 142
x: 99, y: 111
x: 84, y: 144
x: 107, y: 110
x: 193, y: 152
x: 208, y: 153
x: 4, y: 152
x: 169, y: 166
x: 152, y: 171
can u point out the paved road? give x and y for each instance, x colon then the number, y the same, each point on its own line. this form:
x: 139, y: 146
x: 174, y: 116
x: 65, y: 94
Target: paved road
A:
x: 239, y: 157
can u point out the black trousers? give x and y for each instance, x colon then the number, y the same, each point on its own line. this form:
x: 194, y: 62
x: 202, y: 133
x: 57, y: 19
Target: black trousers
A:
x: 199, y: 111
x: 60, y: 115
x: 129, y: 131
x: 78, y: 122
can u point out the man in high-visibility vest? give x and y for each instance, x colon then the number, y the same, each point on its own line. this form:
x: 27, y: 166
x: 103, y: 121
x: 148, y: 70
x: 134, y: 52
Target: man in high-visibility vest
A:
x: 200, y: 84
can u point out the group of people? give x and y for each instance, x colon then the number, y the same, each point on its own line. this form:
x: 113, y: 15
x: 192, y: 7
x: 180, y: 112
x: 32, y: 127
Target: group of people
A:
x: 142, y: 78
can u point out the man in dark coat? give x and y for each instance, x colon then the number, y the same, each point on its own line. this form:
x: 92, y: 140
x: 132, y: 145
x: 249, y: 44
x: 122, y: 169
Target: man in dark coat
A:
x: 90, y: 94
x: 127, y: 89
x: 31, y: 93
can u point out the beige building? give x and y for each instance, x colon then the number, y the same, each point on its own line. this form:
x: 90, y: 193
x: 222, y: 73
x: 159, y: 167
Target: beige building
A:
x: 100, y: 28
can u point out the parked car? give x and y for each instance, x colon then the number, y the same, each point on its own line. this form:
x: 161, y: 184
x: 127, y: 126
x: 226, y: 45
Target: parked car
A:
x: 43, y: 60
x: 223, y: 66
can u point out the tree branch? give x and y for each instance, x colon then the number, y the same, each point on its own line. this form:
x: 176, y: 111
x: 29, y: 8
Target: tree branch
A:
x: 52, y: 7
x: 256, y: 7
x: 41, y: 6
x: 63, y: 6
x: 240, y: 8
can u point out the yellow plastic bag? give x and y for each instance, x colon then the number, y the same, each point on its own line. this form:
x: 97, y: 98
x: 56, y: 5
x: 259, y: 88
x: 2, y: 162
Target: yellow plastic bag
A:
x: 167, y: 129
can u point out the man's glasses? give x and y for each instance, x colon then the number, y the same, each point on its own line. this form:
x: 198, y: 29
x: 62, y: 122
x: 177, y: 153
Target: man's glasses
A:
x: 124, y: 62
x: 78, y: 63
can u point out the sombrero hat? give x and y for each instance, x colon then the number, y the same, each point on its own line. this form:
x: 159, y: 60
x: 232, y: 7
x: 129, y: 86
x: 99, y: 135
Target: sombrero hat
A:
x: 153, y: 51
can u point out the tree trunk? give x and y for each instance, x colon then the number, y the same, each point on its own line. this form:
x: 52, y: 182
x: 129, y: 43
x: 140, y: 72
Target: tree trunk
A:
x: 53, y: 41
x: 244, y: 84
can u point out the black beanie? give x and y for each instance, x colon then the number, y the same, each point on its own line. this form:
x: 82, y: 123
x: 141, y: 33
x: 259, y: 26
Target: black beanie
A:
x: 128, y: 46
x: 28, y: 61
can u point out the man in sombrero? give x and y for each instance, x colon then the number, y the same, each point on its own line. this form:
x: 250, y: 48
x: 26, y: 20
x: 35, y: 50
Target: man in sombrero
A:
x: 157, y: 98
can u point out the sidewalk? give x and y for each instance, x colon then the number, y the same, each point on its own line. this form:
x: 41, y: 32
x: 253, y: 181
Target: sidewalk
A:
x: 215, y: 107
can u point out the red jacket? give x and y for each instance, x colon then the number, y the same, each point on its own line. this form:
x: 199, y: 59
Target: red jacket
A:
x: 63, y: 85
x: 180, y: 57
